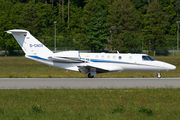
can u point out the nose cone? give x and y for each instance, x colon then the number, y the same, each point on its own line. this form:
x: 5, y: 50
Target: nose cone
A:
x: 169, y: 66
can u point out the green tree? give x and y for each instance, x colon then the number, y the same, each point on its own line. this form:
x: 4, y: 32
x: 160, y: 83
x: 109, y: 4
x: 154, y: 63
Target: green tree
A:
x: 177, y: 9
x: 155, y: 27
x: 169, y: 8
x: 125, y: 24
x: 141, y: 5
x: 75, y: 17
x: 98, y: 30
x: 168, y: 5
x: 38, y: 18
x: 67, y: 36
x: 7, y: 21
x: 89, y: 12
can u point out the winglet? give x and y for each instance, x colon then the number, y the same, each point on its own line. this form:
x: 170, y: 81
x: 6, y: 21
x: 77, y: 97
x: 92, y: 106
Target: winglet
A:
x: 8, y: 32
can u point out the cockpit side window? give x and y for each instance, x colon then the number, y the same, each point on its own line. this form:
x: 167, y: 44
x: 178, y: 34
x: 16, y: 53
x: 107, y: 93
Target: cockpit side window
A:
x: 148, y: 58
x: 145, y: 58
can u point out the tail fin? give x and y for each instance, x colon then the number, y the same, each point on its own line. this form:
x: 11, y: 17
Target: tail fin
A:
x: 29, y: 44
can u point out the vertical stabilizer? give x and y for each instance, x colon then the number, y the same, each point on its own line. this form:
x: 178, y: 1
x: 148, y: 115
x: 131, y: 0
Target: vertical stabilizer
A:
x: 29, y: 44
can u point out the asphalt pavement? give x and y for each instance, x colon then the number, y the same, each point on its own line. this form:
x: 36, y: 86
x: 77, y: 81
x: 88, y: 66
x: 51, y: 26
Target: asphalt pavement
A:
x: 88, y: 83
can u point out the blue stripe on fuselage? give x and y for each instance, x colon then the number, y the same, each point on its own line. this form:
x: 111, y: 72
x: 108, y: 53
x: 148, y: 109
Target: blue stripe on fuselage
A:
x: 99, y: 61
x: 103, y: 61
x: 37, y: 57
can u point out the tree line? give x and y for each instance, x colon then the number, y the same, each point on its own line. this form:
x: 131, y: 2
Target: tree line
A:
x: 122, y: 25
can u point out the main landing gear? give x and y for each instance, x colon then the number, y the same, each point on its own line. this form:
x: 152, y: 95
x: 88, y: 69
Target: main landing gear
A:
x: 159, y: 75
x: 90, y: 76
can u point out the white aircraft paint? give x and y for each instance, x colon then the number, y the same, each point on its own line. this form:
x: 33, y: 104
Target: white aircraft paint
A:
x: 91, y: 63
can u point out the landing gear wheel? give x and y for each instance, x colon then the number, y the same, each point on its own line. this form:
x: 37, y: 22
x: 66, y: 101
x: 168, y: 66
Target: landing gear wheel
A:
x: 159, y: 75
x: 89, y: 75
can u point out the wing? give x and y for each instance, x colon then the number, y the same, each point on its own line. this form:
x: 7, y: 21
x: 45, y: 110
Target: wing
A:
x: 99, y: 68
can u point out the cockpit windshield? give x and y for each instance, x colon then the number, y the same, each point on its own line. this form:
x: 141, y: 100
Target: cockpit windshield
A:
x: 148, y: 58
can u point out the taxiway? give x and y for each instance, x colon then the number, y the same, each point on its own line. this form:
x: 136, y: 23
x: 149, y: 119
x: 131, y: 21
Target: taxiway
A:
x: 87, y: 83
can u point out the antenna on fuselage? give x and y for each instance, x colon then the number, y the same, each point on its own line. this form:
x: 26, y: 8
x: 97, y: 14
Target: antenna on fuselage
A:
x: 117, y: 52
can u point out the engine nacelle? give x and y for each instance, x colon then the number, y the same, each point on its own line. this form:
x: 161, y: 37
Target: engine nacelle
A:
x: 66, y: 56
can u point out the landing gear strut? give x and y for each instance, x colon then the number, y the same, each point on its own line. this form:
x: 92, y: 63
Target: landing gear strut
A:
x: 159, y: 75
x: 90, y: 76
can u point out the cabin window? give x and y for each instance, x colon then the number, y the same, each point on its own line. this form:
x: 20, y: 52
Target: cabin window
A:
x: 108, y: 57
x: 97, y: 56
x: 114, y: 57
x: 130, y: 57
x: 102, y: 57
x: 120, y: 57
x: 148, y: 58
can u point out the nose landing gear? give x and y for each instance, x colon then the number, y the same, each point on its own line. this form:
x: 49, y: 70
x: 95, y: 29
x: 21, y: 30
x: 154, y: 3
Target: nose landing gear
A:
x: 159, y: 75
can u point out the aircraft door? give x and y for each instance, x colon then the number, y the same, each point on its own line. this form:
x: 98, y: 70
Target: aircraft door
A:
x: 87, y: 59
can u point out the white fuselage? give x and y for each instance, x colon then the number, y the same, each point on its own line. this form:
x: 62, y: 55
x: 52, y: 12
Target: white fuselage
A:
x: 105, y: 62
x: 126, y: 62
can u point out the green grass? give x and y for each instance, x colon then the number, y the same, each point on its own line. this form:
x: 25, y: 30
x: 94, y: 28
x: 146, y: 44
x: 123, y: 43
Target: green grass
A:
x: 109, y: 104
x: 64, y: 104
x: 21, y: 67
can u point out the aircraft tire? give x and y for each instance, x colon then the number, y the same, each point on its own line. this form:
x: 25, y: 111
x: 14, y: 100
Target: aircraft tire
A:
x: 159, y: 75
x: 89, y: 75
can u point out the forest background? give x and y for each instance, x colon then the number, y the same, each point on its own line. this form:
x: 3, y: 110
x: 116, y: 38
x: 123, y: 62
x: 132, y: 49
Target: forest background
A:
x: 102, y: 25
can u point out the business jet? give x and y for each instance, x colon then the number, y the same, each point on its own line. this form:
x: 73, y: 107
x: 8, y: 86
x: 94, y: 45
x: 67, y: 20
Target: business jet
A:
x: 87, y: 63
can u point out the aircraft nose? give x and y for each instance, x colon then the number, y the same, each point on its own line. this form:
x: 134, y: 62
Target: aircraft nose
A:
x: 170, y: 67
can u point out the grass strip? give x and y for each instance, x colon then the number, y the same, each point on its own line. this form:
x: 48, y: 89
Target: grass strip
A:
x: 138, y: 104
